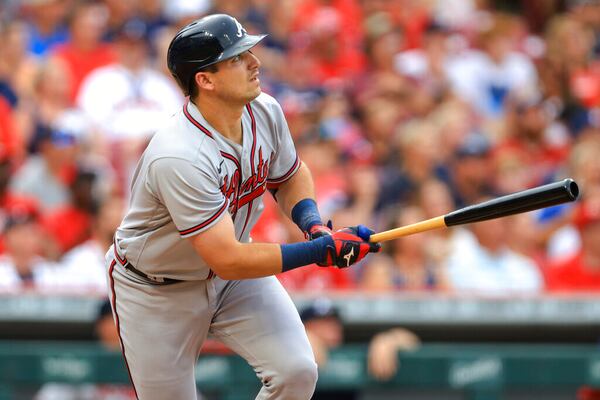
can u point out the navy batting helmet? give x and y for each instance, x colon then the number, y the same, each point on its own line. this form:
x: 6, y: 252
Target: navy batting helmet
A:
x: 204, y: 42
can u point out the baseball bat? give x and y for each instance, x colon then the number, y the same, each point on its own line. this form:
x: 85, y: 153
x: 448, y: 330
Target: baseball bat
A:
x: 515, y: 203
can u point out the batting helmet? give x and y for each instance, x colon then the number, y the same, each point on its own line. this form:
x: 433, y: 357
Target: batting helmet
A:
x: 204, y: 42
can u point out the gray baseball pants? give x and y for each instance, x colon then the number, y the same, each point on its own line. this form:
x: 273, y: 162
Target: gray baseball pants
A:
x: 162, y: 328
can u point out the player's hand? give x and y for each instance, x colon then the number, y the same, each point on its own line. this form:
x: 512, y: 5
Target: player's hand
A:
x: 348, y: 246
x: 316, y: 231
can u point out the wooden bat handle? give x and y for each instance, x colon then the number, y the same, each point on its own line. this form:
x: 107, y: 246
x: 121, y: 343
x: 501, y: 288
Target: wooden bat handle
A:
x: 427, y: 225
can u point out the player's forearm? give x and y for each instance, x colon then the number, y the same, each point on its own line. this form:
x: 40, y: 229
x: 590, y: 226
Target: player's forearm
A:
x: 230, y: 259
x: 249, y: 260
x: 255, y: 260
x: 299, y: 187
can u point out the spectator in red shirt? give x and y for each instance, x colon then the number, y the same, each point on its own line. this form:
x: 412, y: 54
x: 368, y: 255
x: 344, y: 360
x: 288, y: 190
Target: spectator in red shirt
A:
x: 85, y: 51
x: 329, y: 33
x: 580, y: 272
x: 10, y: 140
x: 71, y: 224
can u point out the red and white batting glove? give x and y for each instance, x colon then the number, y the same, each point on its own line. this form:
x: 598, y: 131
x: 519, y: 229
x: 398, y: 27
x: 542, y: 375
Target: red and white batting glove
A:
x: 349, y: 245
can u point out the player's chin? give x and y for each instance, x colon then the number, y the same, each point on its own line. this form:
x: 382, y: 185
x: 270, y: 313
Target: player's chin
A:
x: 254, y: 92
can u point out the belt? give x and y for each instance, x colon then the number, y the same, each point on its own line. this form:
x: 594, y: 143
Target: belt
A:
x: 160, y: 281
x: 127, y: 265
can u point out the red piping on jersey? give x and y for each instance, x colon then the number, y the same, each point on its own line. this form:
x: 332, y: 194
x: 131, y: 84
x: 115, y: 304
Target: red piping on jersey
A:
x: 253, y: 137
x: 207, y: 222
x: 232, y: 158
x: 274, y: 183
x: 249, y: 198
x: 194, y: 122
x: 121, y: 260
x: 117, y: 322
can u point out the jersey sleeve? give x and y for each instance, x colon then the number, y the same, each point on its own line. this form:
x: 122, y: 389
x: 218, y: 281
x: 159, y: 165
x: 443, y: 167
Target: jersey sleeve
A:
x: 191, y: 195
x: 285, y: 162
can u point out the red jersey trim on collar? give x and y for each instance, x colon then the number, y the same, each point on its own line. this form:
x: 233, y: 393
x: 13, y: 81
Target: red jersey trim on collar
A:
x: 194, y: 122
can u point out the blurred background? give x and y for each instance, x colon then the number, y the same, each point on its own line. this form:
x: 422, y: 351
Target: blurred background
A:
x: 403, y: 110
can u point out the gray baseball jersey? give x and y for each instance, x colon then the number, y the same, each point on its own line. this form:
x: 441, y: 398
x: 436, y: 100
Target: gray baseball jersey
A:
x: 190, y: 175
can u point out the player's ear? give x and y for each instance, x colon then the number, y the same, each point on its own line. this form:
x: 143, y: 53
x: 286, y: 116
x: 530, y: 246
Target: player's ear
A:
x: 204, y: 80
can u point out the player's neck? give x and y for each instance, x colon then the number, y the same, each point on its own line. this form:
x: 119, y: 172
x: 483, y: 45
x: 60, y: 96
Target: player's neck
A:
x: 225, y: 118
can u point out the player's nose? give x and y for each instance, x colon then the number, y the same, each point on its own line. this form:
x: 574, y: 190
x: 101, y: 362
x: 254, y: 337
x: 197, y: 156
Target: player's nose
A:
x: 253, y: 61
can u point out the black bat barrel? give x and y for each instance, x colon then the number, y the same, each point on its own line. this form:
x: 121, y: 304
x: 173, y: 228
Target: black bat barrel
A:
x: 515, y: 203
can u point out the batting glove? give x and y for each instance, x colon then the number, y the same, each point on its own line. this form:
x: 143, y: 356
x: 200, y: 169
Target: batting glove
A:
x: 349, y: 245
x: 316, y: 231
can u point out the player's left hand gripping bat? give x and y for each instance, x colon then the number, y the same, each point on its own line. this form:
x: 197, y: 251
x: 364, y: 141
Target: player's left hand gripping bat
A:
x: 520, y: 202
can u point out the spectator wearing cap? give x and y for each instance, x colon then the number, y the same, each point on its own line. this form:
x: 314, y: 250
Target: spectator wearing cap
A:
x: 325, y: 332
x: 21, y: 265
x: 128, y: 101
x: 580, y: 272
x: 85, y: 51
x: 46, y: 176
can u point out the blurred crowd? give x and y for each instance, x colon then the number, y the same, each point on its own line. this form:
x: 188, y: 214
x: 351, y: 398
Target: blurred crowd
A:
x: 404, y: 110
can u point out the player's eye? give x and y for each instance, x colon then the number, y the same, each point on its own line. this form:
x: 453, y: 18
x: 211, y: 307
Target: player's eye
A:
x: 236, y: 58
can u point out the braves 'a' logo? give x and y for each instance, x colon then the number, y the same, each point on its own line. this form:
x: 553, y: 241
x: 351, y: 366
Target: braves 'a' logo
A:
x: 240, y: 29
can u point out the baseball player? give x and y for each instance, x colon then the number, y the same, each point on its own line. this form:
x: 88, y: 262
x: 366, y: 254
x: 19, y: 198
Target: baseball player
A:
x: 182, y: 264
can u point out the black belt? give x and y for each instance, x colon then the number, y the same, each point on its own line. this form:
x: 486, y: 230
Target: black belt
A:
x: 158, y: 281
